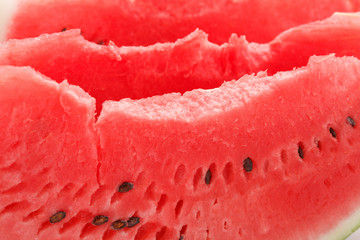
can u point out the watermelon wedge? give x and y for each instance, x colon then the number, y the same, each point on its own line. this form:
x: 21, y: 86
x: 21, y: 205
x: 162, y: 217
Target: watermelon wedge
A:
x: 183, y: 166
x: 144, y: 22
x: 113, y: 73
x: 271, y: 155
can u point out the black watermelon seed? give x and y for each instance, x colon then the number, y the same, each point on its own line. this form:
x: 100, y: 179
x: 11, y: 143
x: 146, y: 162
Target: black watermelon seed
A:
x: 332, y: 132
x: 57, y: 217
x: 208, y: 177
x: 248, y: 164
x: 301, y: 152
x: 125, y: 187
x: 101, y: 42
x: 64, y: 29
x: 133, y: 221
x: 350, y: 121
x: 119, y: 224
x: 182, y: 237
x: 99, y: 220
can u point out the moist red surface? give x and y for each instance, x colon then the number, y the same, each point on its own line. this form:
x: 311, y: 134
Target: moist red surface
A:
x: 112, y: 73
x: 144, y: 22
x: 48, y: 156
x: 218, y: 129
x: 166, y: 144
x: 56, y: 158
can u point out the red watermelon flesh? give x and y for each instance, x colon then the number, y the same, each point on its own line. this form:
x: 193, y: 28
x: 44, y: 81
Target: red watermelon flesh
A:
x: 44, y: 162
x: 188, y: 157
x: 112, y: 73
x: 293, y: 125
x: 144, y: 22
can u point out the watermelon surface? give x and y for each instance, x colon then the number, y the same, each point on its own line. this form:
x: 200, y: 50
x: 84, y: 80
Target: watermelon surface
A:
x: 45, y: 162
x: 268, y: 156
x: 144, y: 22
x: 113, y: 73
x: 183, y: 166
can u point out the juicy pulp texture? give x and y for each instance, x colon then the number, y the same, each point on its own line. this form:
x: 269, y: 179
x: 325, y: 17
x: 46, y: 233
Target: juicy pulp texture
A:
x: 144, y: 22
x: 217, y: 129
x: 338, y: 34
x: 113, y: 73
x: 166, y: 145
x: 183, y: 153
x: 48, y: 155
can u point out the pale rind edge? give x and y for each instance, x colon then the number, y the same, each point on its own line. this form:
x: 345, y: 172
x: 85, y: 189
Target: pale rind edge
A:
x: 345, y: 228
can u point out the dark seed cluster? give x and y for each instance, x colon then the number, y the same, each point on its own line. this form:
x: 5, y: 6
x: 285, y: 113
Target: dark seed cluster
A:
x: 120, y: 224
x: 102, y: 219
x: 248, y: 163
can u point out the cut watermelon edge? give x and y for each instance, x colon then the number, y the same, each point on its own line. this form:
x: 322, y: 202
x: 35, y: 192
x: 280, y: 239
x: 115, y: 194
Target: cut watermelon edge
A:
x: 345, y: 227
x: 260, y: 57
x: 165, y: 16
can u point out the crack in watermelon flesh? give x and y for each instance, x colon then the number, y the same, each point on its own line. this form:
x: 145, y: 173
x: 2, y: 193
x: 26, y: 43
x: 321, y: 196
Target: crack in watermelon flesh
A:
x: 184, y: 154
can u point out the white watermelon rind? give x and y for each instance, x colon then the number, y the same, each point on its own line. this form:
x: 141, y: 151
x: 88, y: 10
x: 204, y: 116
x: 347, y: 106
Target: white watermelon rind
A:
x: 345, y: 228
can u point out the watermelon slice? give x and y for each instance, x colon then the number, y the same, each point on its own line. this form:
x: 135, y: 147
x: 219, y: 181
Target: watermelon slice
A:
x: 269, y: 156
x: 209, y: 164
x: 144, y: 22
x: 112, y: 73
